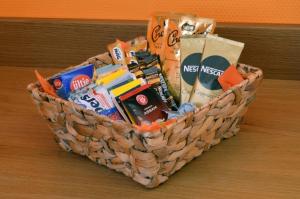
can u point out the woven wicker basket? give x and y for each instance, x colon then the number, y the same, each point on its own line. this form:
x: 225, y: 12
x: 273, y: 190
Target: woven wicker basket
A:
x: 148, y: 158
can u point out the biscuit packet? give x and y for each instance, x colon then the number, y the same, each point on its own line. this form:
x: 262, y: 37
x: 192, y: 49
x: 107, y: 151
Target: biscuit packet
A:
x: 219, y: 53
x: 117, y: 53
x: 191, y: 49
x: 180, y: 25
x: 155, y: 30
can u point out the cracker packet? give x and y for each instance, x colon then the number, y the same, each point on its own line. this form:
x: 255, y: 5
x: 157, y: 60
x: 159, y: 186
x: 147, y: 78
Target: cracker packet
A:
x: 219, y: 53
x: 180, y: 25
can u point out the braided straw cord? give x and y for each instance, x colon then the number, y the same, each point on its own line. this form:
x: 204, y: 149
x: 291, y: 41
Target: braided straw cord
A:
x: 148, y: 158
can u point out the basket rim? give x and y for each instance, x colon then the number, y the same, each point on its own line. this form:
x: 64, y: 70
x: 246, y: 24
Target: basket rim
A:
x: 34, y: 88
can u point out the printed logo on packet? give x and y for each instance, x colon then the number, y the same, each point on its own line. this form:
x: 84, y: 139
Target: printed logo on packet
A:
x: 212, y: 67
x: 188, y: 27
x: 117, y: 53
x: 79, y: 82
x: 142, y: 99
x: 57, y: 84
x: 157, y: 32
x: 173, y: 38
x: 189, y: 68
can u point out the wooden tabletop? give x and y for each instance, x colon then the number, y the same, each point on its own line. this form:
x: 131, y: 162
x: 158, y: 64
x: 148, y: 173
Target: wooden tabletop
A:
x: 262, y: 161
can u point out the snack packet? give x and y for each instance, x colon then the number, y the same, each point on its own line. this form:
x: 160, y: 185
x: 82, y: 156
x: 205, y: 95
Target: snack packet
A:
x: 72, y: 80
x: 155, y: 32
x: 96, y: 98
x: 106, y: 70
x: 121, y: 90
x: 219, y: 53
x: 230, y: 77
x: 117, y: 52
x: 154, y: 77
x: 180, y: 25
x: 111, y: 77
x: 144, y: 105
x: 47, y: 87
x: 191, y: 49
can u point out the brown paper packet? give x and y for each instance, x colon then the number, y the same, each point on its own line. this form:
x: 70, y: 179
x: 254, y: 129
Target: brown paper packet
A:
x: 191, y: 49
x: 219, y: 53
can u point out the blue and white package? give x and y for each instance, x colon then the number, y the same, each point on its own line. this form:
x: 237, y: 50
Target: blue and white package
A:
x: 72, y: 80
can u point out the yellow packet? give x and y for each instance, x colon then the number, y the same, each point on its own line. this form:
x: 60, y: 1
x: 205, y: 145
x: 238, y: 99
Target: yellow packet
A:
x: 126, y: 87
x: 111, y: 77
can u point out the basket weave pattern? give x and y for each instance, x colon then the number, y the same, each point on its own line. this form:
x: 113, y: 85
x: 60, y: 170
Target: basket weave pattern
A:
x: 148, y: 158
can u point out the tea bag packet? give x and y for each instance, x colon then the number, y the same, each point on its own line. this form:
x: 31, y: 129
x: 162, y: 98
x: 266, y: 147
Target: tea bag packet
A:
x: 123, y: 89
x: 191, y: 48
x: 219, y: 53
x: 144, y: 105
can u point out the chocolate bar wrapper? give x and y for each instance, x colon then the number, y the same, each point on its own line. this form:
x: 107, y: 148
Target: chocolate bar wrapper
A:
x: 219, y: 53
x: 154, y: 76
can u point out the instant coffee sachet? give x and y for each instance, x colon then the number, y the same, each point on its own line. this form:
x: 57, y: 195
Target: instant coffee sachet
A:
x: 219, y: 53
x: 178, y: 26
x: 191, y: 49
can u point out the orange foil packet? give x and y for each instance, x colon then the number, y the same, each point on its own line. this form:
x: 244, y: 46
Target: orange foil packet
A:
x: 117, y: 52
x: 179, y: 25
x: 230, y: 77
x: 47, y: 87
x: 155, y: 32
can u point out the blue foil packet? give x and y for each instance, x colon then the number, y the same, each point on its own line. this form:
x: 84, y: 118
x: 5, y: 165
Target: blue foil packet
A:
x: 72, y: 80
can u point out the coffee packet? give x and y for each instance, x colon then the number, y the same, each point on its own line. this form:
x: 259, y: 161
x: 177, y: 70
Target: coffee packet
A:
x: 191, y: 49
x: 219, y: 53
x: 178, y: 26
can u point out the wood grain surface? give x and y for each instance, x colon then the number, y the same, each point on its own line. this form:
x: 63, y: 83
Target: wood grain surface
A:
x: 262, y: 161
x: 61, y: 43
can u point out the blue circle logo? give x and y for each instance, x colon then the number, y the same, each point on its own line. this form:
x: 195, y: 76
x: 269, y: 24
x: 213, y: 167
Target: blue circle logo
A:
x: 211, y: 68
x: 189, y: 68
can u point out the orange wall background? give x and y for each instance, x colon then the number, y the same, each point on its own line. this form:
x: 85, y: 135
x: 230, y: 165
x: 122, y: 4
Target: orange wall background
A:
x: 237, y: 11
